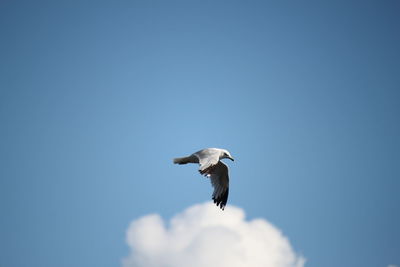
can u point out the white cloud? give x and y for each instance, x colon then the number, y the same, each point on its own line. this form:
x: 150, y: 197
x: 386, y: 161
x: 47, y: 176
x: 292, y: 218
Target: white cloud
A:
x: 203, y: 235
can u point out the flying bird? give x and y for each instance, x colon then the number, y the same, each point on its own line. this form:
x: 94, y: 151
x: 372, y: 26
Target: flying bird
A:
x: 213, y: 168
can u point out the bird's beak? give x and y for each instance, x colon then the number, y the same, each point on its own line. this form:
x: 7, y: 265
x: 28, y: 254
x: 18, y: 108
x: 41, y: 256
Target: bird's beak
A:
x: 231, y: 159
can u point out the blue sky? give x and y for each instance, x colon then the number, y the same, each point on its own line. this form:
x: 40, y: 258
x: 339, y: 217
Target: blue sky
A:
x: 96, y: 98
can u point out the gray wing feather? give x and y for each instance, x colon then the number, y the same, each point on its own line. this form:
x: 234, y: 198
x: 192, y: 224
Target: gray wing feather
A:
x: 219, y: 177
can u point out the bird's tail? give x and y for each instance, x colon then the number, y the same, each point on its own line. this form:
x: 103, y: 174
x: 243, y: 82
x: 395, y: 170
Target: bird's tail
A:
x: 185, y: 160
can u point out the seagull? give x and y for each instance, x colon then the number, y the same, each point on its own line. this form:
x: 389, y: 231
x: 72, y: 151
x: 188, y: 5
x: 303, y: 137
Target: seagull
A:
x: 213, y: 168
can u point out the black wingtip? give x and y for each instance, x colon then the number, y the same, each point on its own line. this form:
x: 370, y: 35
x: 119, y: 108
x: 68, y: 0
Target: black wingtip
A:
x: 222, y: 199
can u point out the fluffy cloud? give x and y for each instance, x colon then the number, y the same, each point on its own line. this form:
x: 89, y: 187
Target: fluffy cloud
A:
x: 203, y: 235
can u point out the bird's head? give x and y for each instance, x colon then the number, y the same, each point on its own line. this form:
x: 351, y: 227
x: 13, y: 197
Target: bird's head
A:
x: 226, y: 155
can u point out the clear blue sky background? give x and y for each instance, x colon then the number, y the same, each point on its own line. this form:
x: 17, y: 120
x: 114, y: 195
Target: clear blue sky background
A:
x: 96, y: 99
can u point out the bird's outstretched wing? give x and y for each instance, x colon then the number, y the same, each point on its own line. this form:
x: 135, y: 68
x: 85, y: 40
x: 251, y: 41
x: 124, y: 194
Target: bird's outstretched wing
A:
x: 219, y: 177
x: 208, y: 158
